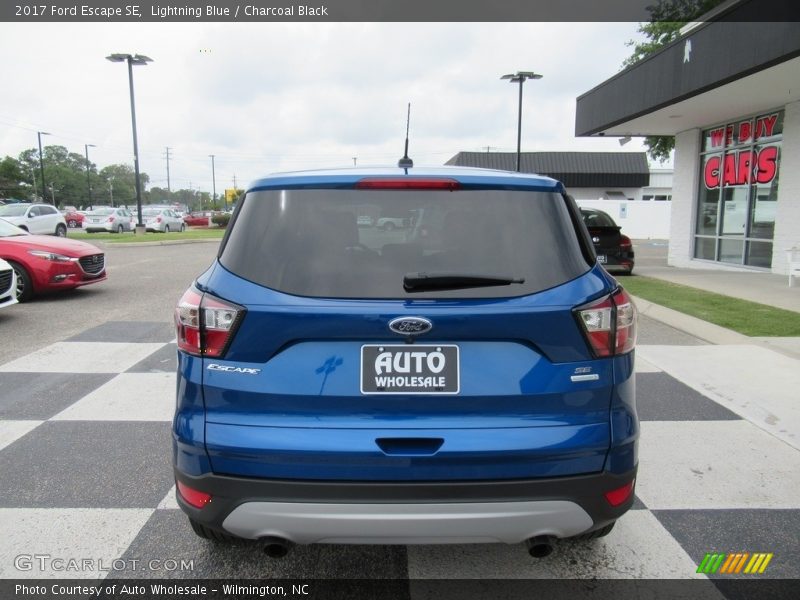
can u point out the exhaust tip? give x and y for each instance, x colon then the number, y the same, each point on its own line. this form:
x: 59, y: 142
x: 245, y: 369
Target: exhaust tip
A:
x: 275, y: 547
x: 540, y: 546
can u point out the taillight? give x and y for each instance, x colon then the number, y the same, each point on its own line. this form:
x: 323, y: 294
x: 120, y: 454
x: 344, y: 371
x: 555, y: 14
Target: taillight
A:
x: 625, y: 242
x: 205, y: 324
x: 407, y: 183
x: 110, y: 219
x: 610, y: 324
x: 158, y: 220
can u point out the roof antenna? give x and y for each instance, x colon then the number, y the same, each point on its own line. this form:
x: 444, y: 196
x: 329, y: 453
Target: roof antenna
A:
x: 405, y: 162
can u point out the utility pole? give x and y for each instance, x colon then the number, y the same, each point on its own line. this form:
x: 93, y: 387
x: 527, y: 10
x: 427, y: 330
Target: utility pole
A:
x: 214, y: 185
x: 168, y: 188
x: 355, y: 158
x: 234, y: 181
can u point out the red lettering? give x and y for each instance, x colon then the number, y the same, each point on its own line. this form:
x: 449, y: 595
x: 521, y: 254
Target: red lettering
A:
x: 729, y: 170
x: 716, y: 137
x: 728, y: 135
x: 767, y: 164
x: 711, y: 173
x: 745, y: 131
x: 765, y: 126
x: 745, y: 165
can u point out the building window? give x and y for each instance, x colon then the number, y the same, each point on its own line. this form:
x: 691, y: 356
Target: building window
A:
x: 739, y: 174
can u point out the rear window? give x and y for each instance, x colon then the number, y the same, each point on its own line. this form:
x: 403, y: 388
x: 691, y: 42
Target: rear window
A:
x: 597, y: 218
x: 361, y: 243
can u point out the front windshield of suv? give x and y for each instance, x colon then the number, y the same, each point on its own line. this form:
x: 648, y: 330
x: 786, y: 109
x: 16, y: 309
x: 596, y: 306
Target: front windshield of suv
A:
x: 364, y: 243
x: 13, y: 210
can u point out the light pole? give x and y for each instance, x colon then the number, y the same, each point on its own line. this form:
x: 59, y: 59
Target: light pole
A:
x: 214, y: 185
x: 520, y: 78
x: 39, y: 134
x: 88, y: 181
x: 136, y: 59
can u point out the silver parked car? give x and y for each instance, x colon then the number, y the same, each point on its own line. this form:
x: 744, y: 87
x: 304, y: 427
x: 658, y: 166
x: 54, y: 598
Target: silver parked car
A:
x: 40, y: 219
x: 162, y: 220
x: 114, y: 220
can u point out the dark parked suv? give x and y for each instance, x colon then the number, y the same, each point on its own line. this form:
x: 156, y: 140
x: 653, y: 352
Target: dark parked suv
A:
x: 465, y: 378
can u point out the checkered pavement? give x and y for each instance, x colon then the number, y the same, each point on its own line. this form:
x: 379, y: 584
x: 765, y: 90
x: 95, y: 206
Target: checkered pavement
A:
x: 85, y: 471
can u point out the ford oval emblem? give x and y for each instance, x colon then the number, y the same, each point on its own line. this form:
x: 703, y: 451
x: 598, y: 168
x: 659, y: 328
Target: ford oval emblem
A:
x: 410, y: 325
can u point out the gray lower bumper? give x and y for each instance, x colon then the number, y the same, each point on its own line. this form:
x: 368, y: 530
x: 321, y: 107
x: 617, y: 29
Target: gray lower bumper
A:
x: 308, y: 523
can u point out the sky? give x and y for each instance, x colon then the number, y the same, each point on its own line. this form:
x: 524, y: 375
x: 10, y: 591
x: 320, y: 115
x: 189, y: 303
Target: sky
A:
x: 270, y: 97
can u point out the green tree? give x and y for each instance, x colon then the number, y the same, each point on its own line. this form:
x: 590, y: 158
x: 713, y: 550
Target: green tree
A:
x: 119, y: 184
x: 13, y: 181
x: 666, y: 20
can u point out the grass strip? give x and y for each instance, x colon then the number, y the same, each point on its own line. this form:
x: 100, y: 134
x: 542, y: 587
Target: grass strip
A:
x: 748, y: 318
x: 130, y: 237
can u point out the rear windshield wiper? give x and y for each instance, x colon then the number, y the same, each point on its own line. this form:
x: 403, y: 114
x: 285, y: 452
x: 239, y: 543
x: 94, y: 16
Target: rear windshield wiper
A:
x: 418, y: 282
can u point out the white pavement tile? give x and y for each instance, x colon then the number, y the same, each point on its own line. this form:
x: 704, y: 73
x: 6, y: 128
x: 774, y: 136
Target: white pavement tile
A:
x: 643, y: 365
x: 169, y: 501
x: 82, y: 357
x: 715, y: 465
x: 639, y: 547
x: 99, y: 536
x: 756, y: 383
x: 11, y: 431
x: 127, y: 397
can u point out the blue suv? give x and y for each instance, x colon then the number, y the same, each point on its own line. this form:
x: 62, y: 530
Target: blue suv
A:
x: 466, y: 375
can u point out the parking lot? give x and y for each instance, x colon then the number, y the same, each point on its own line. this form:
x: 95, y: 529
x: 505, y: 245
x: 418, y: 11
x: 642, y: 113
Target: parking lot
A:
x: 87, y: 391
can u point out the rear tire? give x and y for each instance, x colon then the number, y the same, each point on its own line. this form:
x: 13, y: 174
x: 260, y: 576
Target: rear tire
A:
x: 61, y: 230
x: 211, y: 534
x: 24, y: 283
x: 120, y: 229
x: 166, y: 228
x: 597, y: 533
x: 183, y: 227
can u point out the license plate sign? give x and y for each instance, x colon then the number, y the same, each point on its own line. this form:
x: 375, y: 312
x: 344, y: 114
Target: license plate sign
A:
x: 601, y: 258
x: 409, y: 369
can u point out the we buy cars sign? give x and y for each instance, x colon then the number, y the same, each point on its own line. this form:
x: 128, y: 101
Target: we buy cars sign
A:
x: 741, y: 167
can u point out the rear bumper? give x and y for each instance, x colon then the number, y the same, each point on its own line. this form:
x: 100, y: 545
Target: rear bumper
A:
x: 387, y: 512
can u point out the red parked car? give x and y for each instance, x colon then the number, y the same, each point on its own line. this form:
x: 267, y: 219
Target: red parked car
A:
x: 199, y: 218
x: 73, y: 219
x: 44, y: 263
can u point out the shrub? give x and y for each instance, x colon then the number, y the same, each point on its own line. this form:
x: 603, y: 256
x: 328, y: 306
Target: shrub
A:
x: 221, y: 219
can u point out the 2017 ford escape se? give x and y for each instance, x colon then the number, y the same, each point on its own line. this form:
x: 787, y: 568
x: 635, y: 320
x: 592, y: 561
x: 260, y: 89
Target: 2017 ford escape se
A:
x: 465, y: 378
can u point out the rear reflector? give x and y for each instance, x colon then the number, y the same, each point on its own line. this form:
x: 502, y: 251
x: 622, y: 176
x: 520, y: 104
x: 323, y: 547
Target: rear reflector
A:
x: 609, y: 324
x: 620, y: 495
x: 407, y: 183
x: 194, y: 497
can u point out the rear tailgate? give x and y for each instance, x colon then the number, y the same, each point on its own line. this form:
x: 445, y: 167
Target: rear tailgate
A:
x: 289, y: 399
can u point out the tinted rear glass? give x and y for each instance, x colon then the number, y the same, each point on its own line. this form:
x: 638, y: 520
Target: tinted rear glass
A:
x: 597, y: 218
x: 361, y: 243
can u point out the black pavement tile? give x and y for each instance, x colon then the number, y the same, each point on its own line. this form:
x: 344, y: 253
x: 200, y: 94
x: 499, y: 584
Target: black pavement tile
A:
x: 654, y: 332
x: 40, y: 396
x: 661, y: 397
x: 168, y: 535
x: 127, y: 331
x: 162, y: 360
x: 87, y: 464
x: 739, y: 530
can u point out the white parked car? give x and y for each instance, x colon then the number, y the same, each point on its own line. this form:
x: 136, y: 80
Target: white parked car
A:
x: 8, y: 284
x: 114, y: 220
x: 40, y: 219
x: 163, y: 220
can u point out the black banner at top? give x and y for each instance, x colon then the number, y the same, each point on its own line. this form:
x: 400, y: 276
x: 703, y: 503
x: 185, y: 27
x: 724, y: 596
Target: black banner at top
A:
x: 65, y: 11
